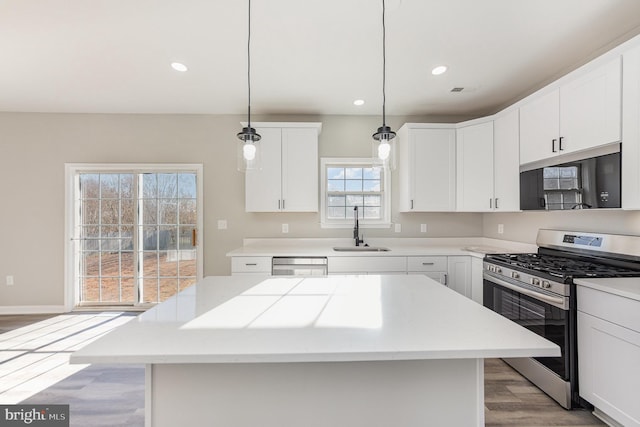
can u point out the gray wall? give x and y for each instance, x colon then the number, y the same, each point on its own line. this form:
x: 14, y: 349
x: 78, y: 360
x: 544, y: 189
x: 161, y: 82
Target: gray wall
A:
x: 35, y: 147
x: 523, y: 226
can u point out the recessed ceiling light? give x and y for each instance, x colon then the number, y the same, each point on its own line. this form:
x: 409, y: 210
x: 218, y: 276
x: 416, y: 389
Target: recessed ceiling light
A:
x: 358, y: 102
x: 440, y: 69
x: 179, y: 67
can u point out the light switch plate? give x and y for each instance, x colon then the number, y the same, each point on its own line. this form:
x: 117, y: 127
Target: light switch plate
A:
x: 500, y: 228
x: 423, y: 228
x: 398, y: 228
x: 285, y: 228
x: 9, y: 280
x: 222, y: 224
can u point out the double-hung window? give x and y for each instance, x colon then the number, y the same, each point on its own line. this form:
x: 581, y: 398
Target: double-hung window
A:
x: 347, y: 183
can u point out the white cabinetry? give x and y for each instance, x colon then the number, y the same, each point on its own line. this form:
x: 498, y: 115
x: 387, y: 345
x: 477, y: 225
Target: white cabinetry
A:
x: 477, y: 281
x: 427, y: 167
x: 459, y: 268
x: 506, y: 152
x: 583, y: 113
x: 609, y: 349
x: 631, y: 130
x: 250, y: 265
x: 434, y: 267
x: 367, y: 265
x: 474, y: 167
x: 288, y: 178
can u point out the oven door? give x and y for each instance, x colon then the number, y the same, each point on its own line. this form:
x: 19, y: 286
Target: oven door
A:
x: 544, y: 315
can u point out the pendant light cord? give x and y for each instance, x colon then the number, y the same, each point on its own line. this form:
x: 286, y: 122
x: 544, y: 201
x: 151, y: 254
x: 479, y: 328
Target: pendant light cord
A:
x: 249, y: 70
x: 384, y: 67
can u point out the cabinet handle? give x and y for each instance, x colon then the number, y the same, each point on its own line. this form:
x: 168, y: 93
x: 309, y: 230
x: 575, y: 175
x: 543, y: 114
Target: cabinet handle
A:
x: 560, y: 143
x: 553, y: 146
x: 446, y: 279
x: 490, y: 203
x: 278, y: 204
x: 282, y: 204
x: 248, y: 264
x: 428, y: 263
x: 496, y: 203
x: 411, y: 203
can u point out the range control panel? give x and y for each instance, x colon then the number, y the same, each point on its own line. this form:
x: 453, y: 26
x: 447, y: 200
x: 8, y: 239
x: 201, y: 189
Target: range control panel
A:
x: 583, y: 240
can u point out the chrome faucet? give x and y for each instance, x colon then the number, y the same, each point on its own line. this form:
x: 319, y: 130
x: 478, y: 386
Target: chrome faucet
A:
x: 356, y: 228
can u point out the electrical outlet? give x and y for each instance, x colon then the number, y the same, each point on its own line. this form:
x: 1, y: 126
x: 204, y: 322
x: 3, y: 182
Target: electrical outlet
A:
x: 500, y: 228
x: 222, y: 224
x: 285, y: 228
x: 9, y: 280
x: 423, y: 228
x: 398, y: 228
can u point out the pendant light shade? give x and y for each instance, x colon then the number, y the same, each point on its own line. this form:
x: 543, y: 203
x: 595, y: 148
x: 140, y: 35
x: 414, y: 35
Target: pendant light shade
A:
x: 249, y: 145
x: 383, y: 146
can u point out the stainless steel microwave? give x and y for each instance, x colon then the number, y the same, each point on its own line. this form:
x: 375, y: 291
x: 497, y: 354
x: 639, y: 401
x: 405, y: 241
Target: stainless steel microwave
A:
x: 582, y: 184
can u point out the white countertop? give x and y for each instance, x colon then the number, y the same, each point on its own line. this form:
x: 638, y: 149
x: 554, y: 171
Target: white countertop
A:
x: 249, y: 319
x: 627, y: 287
x: 474, y: 246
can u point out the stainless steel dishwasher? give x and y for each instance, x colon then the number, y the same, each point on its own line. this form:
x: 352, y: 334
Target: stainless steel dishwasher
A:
x: 299, y: 266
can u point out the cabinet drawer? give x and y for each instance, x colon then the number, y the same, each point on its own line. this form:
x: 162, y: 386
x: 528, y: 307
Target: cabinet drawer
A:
x: 257, y: 264
x: 369, y: 264
x: 613, y: 308
x: 427, y: 263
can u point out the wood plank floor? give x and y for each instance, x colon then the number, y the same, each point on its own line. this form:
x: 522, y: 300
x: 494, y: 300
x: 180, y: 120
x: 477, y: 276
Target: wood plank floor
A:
x: 113, y: 396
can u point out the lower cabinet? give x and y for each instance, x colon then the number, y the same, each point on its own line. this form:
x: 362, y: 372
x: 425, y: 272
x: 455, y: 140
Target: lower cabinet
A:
x: 477, y: 282
x: 459, y: 268
x: 367, y: 265
x: 250, y: 265
x: 451, y: 271
x: 609, y: 354
x: 434, y: 267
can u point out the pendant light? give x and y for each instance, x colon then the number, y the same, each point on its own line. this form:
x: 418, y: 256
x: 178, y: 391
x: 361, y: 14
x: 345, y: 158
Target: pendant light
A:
x: 383, y: 150
x: 249, y: 146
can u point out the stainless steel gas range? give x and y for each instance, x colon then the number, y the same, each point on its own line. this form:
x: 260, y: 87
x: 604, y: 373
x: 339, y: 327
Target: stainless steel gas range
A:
x: 536, y: 290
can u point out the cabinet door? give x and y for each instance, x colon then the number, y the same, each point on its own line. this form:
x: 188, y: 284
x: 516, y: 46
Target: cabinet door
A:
x: 590, y: 109
x: 477, y: 281
x: 459, y: 268
x: 438, y: 276
x: 540, y: 128
x: 432, y: 169
x: 609, y: 372
x: 631, y: 130
x: 300, y: 170
x: 263, y: 187
x: 506, y: 173
x: 474, y: 168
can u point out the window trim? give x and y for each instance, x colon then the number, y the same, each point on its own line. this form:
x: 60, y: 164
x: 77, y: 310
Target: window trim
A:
x: 385, y: 222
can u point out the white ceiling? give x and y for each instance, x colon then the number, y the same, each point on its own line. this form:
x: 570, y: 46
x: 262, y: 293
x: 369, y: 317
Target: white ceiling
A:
x: 308, y: 57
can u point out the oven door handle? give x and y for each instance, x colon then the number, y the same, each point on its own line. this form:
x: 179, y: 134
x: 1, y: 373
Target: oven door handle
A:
x: 554, y: 301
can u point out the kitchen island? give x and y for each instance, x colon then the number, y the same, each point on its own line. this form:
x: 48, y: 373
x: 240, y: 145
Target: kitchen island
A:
x: 351, y: 351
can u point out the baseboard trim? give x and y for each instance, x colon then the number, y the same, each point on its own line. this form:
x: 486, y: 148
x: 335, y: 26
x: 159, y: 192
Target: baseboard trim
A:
x: 32, y: 309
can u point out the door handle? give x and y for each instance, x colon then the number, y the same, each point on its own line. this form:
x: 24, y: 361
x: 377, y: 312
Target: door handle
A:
x: 194, y: 237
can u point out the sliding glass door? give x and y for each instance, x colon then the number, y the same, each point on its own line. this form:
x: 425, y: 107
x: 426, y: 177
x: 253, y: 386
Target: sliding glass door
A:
x: 135, y: 234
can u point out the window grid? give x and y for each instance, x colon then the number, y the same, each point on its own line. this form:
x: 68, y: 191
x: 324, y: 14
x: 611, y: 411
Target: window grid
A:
x: 107, y: 222
x: 349, y: 186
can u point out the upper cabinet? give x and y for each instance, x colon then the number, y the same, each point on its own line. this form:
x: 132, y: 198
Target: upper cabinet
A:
x: 288, y: 178
x: 487, y: 165
x: 506, y: 172
x: 582, y: 113
x: 427, y: 167
x: 474, y: 175
x: 631, y: 130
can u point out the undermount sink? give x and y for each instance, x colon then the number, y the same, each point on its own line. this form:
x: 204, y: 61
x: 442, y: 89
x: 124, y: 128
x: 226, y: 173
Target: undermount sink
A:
x: 360, y: 249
